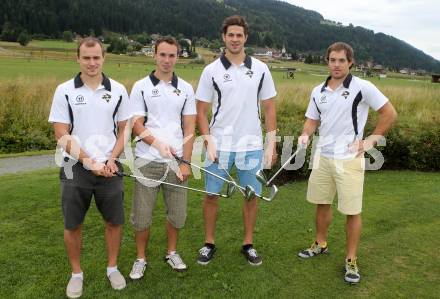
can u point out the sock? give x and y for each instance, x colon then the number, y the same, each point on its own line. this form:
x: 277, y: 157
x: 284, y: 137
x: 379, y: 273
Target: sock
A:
x: 210, y: 245
x: 141, y: 260
x: 246, y: 247
x: 322, y: 245
x: 78, y: 275
x: 110, y: 270
x: 172, y: 252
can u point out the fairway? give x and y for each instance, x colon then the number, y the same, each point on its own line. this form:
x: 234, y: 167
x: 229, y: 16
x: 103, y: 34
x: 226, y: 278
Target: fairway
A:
x: 397, y: 255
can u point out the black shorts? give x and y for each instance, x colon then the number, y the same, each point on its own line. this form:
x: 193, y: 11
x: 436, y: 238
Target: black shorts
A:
x: 77, y: 188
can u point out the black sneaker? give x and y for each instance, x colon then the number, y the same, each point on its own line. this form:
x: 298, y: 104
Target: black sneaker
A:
x: 252, y: 256
x: 206, y: 253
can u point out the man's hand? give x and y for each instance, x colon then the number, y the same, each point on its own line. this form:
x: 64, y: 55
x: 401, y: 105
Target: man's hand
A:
x: 111, y: 165
x: 211, y: 150
x: 361, y: 146
x: 97, y: 168
x: 165, y: 150
x: 185, y: 172
x: 270, y: 156
x: 303, y: 141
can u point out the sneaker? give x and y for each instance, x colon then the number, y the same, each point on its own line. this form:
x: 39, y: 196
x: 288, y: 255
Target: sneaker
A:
x: 206, y: 254
x: 315, y: 249
x: 74, y: 287
x: 252, y: 256
x: 138, y: 269
x: 175, y: 261
x: 117, y: 280
x: 351, y: 271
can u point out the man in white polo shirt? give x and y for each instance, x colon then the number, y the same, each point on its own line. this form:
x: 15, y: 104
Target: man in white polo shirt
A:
x: 165, y: 115
x: 339, y: 106
x: 234, y: 86
x: 89, y: 115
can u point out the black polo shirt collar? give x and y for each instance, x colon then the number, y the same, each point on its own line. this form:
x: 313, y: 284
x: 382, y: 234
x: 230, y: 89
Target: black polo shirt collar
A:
x: 227, y: 64
x: 155, y: 80
x: 105, y: 82
x: 346, y: 82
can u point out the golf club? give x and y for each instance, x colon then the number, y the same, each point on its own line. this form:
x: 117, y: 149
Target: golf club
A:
x: 248, y: 191
x: 229, y: 191
x: 261, y: 177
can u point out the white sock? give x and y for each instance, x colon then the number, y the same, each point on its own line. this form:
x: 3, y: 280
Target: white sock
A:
x: 172, y: 252
x: 78, y: 275
x: 141, y: 260
x: 110, y: 270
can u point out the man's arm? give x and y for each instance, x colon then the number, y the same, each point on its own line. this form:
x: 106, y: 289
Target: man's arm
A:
x: 270, y: 119
x: 69, y: 144
x: 387, y: 116
x: 203, y: 123
x: 139, y: 129
x: 123, y: 137
x: 309, y: 128
x: 189, y: 127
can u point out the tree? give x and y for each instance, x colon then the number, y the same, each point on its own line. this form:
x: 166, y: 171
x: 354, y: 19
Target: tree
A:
x: 10, y: 32
x: 67, y: 36
x: 309, y: 59
x: 24, y: 38
x: 268, y: 40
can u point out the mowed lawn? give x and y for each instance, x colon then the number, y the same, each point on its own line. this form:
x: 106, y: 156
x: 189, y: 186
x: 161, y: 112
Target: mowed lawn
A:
x: 398, y: 255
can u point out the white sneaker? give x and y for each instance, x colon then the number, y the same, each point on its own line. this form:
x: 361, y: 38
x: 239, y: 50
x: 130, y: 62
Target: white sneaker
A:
x: 138, y: 269
x: 117, y: 280
x: 175, y: 261
x: 74, y: 287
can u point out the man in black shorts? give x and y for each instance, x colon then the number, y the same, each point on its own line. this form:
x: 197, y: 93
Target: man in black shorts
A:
x: 89, y: 114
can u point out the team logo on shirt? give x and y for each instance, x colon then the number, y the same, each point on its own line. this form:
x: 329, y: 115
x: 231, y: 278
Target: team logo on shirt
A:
x: 106, y: 97
x: 79, y: 100
x: 177, y: 91
x: 249, y: 73
x: 323, y: 99
x: 155, y: 92
x: 345, y: 94
x: 226, y: 77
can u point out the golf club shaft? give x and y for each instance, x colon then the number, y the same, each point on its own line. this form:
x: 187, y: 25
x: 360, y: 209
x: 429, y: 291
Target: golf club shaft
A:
x: 170, y: 184
x: 281, y: 168
x: 230, y: 177
x: 211, y: 173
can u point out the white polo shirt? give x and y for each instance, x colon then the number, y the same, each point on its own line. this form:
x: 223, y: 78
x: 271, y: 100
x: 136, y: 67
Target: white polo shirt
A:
x: 342, y: 113
x: 235, y: 92
x: 92, y: 114
x: 163, y: 104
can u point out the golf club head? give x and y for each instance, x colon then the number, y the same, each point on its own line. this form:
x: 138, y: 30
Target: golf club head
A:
x: 230, y: 190
x: 261, y: 177
x: 249, y: 192
x: 273, y: 192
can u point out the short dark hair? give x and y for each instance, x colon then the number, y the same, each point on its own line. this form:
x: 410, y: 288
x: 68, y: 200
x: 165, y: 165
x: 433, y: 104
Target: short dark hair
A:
x: 340, y: 46
x: 166, y: 39
x: 237, y: 21
x: 90, y: 41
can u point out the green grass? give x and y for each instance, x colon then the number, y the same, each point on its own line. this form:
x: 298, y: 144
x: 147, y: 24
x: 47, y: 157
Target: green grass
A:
x: 30, y: 153
x: 398, y: 254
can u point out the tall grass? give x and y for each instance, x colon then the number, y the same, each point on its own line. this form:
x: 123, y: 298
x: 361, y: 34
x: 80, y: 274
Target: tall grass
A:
x: 25, y: 105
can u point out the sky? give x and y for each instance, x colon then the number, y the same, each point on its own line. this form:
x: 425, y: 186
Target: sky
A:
x: 416, y: 22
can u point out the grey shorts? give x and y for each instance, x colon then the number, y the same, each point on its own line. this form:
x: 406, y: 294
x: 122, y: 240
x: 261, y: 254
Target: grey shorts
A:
x: 77, y: 192
x: 145, y: 195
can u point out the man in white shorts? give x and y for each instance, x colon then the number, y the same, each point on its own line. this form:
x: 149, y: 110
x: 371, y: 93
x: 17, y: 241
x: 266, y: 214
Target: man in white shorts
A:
x: 339, y: 106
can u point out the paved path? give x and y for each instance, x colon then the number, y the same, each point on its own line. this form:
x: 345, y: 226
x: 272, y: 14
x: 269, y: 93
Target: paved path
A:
x: 26, y: 163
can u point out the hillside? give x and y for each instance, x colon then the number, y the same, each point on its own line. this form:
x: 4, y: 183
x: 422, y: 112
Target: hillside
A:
x: 273, y: 23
